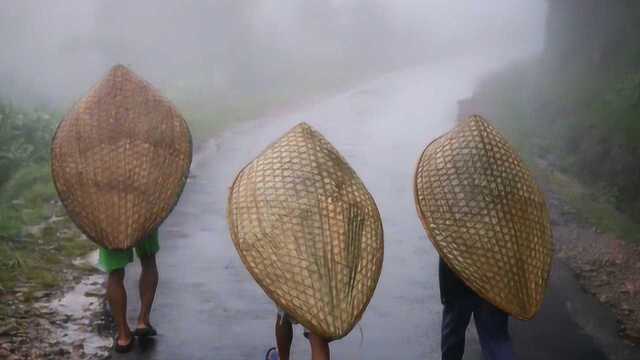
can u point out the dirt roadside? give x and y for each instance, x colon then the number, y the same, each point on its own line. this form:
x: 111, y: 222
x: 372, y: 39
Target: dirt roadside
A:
x: 65, y: 321
x: 605, y: 266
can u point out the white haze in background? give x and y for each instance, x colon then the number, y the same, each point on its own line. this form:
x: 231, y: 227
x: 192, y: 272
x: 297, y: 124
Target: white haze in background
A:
x: 211, y: 53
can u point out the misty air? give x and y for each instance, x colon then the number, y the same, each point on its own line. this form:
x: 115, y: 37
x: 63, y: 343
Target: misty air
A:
x: 340, y: 179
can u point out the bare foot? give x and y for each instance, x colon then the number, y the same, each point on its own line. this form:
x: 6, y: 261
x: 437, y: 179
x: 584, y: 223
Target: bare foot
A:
x: 124, y: 337
x: 124, y: 343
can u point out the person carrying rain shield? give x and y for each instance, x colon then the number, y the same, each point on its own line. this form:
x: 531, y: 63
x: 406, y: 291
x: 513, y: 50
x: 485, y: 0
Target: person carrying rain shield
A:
x: 120, y: 159
x: 488, y: 221
x: 310, y: 234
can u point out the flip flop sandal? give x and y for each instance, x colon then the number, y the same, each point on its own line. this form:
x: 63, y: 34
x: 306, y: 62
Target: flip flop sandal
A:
x: 272, y: 354
x: 123, y: 348
x: 145, y: 332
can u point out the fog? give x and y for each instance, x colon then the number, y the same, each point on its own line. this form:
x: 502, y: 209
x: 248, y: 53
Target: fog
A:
x: 380, y: 79
x: 220, y: 56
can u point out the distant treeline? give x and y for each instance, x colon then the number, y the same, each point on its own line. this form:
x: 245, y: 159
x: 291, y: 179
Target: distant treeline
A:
x: 577, y: 106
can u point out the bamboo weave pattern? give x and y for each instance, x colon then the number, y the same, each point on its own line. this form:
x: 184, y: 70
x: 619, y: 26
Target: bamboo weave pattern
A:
x: 486, y: 216
x: 308, y: 231
x: 120, y: 159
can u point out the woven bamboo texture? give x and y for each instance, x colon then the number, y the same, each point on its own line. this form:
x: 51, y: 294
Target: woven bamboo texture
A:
x: 486, y: 216
x: 120, y: 159
x: 308, y: 231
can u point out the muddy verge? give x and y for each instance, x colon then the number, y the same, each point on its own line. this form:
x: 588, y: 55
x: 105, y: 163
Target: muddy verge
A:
x: 605, y: 266
x: 66, y: 324
x: 66, y: 321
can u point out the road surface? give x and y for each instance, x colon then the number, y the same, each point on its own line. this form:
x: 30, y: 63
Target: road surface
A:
x: 208, y: 306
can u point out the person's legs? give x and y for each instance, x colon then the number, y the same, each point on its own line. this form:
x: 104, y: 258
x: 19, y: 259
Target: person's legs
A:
x: 284, y: 336
x: 117, y: 296
x: 114, y: 262
x: 319, y: 348
x: 493, y: 330
x: 148, y: 285
x: 455, y: 320
x: 146, y: 251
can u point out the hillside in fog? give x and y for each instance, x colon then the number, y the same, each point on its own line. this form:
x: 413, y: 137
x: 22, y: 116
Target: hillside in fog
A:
x: 577, y: 106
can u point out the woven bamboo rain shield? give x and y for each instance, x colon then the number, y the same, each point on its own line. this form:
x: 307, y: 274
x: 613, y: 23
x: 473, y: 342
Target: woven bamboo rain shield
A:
x: 308, y: 231
x: 486, y: 216
x: 120, y: 159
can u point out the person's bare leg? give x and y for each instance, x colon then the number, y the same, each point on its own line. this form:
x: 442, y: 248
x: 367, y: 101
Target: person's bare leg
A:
x: 284, y: 336
x: 319, y: 348
x: 117, y: 296
x: 148, y: 285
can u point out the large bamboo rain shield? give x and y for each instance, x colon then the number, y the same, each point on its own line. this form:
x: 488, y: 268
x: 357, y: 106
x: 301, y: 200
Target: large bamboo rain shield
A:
x: 308, y: 231
x: 485, y: 216
x: 120, y: 159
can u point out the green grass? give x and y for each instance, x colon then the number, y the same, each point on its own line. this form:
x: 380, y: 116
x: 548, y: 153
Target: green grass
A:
x: 38, y: 263
x: 29, y: 259
x: 24, y: 199
x: 592, y: 206
x: 583, y: 121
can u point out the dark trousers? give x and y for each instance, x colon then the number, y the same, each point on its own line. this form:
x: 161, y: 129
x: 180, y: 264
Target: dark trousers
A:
x: 492, y: 325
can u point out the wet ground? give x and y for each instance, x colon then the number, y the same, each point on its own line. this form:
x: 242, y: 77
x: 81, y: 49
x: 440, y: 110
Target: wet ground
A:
x: 63, y: 323
x: 83, y: 302
x: 208, y: 306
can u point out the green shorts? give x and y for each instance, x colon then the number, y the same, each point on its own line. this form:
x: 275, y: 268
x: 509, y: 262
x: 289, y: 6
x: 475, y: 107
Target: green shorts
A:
x: 111, y: 260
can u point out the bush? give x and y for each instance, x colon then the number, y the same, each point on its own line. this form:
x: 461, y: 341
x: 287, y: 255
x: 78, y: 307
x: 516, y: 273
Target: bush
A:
x: 25, y: 181
x: 31, y: 183
x: 24, y: 139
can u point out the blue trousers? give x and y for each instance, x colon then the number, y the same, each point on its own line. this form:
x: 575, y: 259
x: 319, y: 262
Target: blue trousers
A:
x: 491, y: 323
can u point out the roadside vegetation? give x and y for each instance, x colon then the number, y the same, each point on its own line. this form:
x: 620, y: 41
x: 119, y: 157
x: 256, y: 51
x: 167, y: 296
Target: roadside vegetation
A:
x: 576, y: 109
x: 587, y: 152
x: 38, y: 243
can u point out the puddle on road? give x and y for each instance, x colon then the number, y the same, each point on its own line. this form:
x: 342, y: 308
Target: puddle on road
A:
x: 80, y: 311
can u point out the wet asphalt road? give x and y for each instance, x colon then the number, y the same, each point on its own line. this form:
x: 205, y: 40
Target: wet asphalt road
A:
x: 208, y: 306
